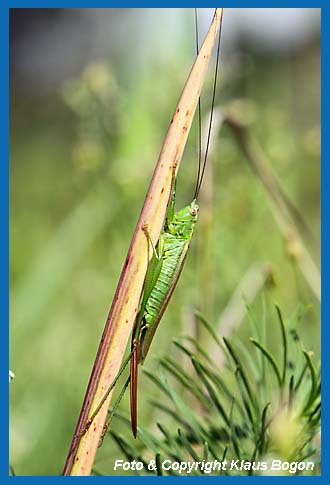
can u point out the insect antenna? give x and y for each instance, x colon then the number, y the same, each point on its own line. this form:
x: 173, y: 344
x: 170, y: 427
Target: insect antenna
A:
x: 201, y: 172
x: 199, y: 112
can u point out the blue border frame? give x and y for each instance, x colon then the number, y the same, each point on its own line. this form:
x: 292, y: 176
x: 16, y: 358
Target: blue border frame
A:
x: 4, y: 211
x: 4, y: 239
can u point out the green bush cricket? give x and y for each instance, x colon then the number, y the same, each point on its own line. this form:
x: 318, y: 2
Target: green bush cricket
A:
x: 162, y: 275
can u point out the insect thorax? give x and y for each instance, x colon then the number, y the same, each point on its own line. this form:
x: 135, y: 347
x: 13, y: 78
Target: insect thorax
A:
x: 183, y: 222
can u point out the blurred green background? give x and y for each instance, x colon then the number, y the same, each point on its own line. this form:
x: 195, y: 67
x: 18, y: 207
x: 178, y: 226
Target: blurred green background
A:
x: 92, y: 94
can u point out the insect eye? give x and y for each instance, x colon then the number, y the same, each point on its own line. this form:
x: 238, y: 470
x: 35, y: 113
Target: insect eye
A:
x: 193, y: 212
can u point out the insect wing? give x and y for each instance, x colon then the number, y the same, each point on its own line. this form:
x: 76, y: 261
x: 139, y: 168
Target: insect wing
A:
x: 150, y: 332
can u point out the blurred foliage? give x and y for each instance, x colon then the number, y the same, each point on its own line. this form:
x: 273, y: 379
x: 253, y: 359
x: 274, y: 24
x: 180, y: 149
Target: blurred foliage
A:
x: 81, y: 161
x: 256, y: 408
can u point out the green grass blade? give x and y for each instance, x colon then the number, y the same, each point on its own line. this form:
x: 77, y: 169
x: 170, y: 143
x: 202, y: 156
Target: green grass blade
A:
x: 238, y: 363
x: 206, y: 451
x: 159, y: 465
x: 171, y: 413
x: 187, y: 446
x: 209, y: 328
x: 270, y: 359
x: 185, y: 380
x: 210, y: 390
x: 301, y: 378
x: 197, y: 346
x: 126, y: 448
x: 314, y: 384
x: 176, y: 451
x: 285, y: 343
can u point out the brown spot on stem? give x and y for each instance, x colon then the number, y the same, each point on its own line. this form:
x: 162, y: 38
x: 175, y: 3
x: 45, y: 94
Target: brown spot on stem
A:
x: 184, y: 129
x: 187, y: 112
x: 162, y: 190
x: 126, y: 262
x: 178, y: 110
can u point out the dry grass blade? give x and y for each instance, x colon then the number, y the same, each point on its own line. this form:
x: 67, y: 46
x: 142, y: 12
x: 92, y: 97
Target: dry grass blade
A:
x: 126, y: 300
x: 288, y: 218
x: 249, y: 287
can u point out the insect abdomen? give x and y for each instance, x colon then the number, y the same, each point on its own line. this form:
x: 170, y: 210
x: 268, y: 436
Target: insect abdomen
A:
x: 173, y: 248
